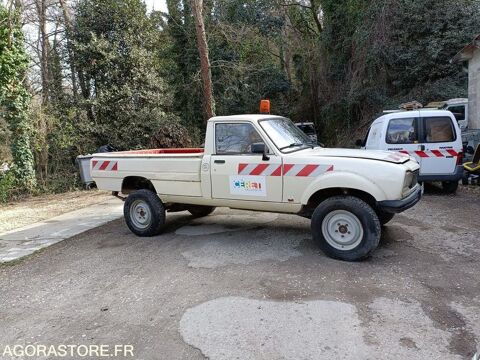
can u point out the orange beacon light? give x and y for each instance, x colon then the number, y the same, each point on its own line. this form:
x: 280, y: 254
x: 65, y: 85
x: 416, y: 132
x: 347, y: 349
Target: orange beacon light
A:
x: 264, y: 106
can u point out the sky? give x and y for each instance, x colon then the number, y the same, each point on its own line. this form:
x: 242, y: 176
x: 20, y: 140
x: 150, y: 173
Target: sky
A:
x: 157, y: 5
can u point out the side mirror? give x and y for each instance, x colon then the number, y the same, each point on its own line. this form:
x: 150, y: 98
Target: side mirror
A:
x: 359, y: 143
x: 260, y: 148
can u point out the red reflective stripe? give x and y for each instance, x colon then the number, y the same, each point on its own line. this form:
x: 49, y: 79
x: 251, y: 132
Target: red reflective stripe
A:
x: 421, y: 154
x: 403, y: 151
x: 287, y: 168
x: 452, y: 152
x: 437, y: 153
x: 241, y: 167
x: 278, y: 171
x: 259, y: 169
x: 94, y: 162
x: 104, y: 165
x: 115, y: 167
x: 330, y: 168
x: 307, y: 170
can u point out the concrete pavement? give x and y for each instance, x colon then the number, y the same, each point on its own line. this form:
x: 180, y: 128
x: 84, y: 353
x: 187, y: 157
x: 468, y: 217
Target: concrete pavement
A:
x: 245, y: 285
x: 22, y: 242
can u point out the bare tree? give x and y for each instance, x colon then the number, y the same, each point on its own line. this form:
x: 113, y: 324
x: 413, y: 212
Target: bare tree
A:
x: 206, y: 73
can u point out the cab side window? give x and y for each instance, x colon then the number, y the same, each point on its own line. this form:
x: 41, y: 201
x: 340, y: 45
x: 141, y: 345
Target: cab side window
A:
x: 402, y: 131
x: 439, y: 129
x: 235, y: 138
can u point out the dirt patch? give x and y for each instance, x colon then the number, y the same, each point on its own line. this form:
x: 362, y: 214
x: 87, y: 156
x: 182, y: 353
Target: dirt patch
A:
x: 31, y: 210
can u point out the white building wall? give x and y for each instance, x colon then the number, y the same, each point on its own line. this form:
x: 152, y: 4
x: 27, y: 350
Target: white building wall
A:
x: 474, y: 91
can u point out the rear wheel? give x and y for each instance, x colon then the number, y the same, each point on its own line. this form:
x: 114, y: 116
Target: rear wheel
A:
x: 346, y: 228
x: 144, y: 213
x: 450, y: 187
x: 201, y: 211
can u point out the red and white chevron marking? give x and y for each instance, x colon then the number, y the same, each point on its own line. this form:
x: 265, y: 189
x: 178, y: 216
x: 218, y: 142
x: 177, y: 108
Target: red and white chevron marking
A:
x: 432, y: 153
x: 302, y: 170
x: 104, y: 165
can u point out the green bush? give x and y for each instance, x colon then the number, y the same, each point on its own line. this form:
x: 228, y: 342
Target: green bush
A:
x: 7, y: 186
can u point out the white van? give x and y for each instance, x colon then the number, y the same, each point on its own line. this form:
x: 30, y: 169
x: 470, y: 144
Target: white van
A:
x: 433, y: 137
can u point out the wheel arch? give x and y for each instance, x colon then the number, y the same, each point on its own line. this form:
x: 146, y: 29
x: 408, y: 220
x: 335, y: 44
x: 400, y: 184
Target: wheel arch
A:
x: 340, y: 184
x: 343, y: 180
x: 133, y: 183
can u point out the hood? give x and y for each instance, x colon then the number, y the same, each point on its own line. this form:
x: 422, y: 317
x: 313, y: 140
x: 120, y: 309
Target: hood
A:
x: 380, y: 155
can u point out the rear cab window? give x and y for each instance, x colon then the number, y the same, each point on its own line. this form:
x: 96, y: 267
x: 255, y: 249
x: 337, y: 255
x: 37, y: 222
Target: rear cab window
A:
x: 402, y: 131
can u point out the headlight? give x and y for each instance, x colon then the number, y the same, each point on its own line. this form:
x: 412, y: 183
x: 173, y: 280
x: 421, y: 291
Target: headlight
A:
x: 411, y: 179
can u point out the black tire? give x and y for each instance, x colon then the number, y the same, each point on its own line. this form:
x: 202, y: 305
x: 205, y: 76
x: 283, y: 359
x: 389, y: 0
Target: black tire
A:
x: 384, y: 217
x: 365, y: 217
x: 201, y: 211
x: 152, y: 206
x: 450, y: 187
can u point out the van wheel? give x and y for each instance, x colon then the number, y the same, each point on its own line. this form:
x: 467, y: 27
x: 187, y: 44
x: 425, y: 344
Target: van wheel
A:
x: 144, y: 213
x: 201, y: 211
x: 449, y: 187
x: 346, y: 228
x: 384, y: 217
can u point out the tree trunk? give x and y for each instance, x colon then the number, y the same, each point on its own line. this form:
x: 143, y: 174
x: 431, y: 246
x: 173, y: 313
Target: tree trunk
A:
x: 71, y: 54
x: 44, y: 50
x: 208, y: 101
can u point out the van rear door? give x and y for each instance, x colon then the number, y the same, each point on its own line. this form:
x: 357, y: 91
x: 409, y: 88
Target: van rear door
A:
x: 439, y: 137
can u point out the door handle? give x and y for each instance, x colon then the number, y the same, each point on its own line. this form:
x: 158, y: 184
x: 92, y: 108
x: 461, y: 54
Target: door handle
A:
x: 219, y: 161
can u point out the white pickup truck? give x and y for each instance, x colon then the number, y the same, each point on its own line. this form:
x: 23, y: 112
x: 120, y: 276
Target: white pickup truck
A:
x: 265, y: 163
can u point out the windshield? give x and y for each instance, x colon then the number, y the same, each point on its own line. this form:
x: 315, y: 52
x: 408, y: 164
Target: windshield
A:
x: 285, y: 134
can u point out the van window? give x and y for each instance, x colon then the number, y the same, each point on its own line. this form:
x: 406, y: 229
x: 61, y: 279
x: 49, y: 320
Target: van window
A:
x: 402, y: 131
x: 458, y: 111
x: 439, y: 129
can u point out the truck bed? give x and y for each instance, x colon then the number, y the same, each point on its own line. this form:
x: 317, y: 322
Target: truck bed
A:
x: 172, y: 171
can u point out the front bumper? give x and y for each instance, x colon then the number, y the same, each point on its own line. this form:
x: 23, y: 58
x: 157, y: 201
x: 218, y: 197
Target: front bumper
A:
x: 397, y: 206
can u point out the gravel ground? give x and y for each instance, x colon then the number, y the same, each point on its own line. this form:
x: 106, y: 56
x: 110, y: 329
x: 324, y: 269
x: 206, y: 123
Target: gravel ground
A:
x: 243, y: 285
x: 31, y: 210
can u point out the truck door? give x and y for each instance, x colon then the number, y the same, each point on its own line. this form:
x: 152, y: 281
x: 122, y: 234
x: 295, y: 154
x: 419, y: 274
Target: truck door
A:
x: 237, y: 172
x: 440, y: 156
x: 402, y: 135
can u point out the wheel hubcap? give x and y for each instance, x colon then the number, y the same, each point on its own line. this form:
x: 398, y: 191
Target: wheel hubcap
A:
x: 140, y: 214
x: 342, y: 230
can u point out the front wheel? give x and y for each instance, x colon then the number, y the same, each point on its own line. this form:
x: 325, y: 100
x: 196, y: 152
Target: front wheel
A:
x: 346, y: 228
x: 144, y: 213
x: 384, y: 217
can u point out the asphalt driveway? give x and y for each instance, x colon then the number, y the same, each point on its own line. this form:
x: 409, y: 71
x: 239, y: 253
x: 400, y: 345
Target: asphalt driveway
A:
x: 245, y: 285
